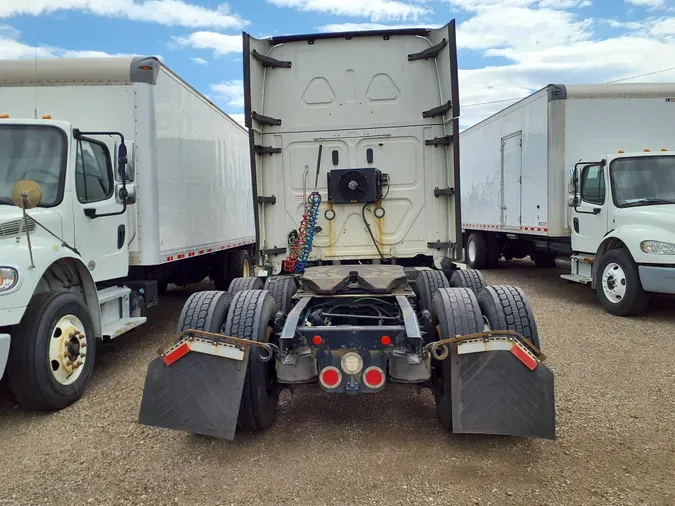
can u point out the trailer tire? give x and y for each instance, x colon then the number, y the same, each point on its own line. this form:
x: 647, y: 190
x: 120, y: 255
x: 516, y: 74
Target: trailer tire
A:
x: 493, y: 252
x: 32, y: 369
x: 283, y: 289
x: 542, y: 260
x: 428, y: 282
x: 251, y: 316
x: 507, y: 308
x: 468, y: 278
x: 219, y: 270
x: 616, y: 267
x: 476, y: 251
x: 205, y: 311
x: 239, y: 265
x: 457, y: 312
x: 240, y: 284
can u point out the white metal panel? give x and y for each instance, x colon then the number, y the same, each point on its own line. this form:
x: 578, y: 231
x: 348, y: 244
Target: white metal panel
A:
x: 512, y: 167
x: 203, y: 172
x: 481, y: 167
x: 351, y: 95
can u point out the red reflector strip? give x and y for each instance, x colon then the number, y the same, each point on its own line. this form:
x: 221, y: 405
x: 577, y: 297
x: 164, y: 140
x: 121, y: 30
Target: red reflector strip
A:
x: 529, y: 362
x: 179, y: 352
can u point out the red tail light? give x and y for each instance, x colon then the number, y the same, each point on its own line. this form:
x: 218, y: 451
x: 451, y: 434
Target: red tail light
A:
x: 373, y: 377
x: 330, y: 377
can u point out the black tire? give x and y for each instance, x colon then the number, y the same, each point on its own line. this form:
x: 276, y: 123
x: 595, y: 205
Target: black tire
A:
x: 457, y: 312
x: 542, y: 260
x: 283, y: 289
x: 29, y: 368
x: 507, y: 308
x: 493, y: 251
x: 162, y: 286
x: 205, y: 311
x: 239, y: 265
x: 635, y: 299
x: 240, y: 284
x: 427, y: 283
x: 468, y: 278
x: 251, y: 315
x: 219, y: 270
x: 475, y: 251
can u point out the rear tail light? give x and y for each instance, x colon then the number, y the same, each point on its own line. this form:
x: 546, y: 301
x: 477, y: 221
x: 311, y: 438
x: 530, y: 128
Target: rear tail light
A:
x: 373, y: 377
x: 330, y: 377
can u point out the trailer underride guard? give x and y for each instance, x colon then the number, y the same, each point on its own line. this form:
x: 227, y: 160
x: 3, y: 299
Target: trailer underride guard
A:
x: 339, y: 302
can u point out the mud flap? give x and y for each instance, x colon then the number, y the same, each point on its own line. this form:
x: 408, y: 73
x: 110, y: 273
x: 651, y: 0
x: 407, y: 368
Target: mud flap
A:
x: 199, y: 393
x: 493, y: 392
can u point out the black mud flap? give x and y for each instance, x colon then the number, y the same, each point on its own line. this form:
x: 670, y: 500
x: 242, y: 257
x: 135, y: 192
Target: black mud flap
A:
x: 198, y: 393
x: 493, y: 392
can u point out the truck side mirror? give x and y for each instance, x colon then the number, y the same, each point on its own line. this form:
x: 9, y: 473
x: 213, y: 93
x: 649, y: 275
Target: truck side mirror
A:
x: 573, y: 199
x: 124, y: 160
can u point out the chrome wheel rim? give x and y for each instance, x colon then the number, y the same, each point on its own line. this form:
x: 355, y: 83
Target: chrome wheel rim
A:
x: 67, y: 350
x: 472, y: 251
x: 614, y: 282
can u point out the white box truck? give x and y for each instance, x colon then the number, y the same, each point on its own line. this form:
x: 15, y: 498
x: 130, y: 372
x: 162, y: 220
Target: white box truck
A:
x: 578, y: 176
x: 116, y: 178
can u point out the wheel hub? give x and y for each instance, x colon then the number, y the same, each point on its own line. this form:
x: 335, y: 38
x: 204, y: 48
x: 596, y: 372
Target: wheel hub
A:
x: 67, y: 350
x: 614, y: 282
x: 472, y: 251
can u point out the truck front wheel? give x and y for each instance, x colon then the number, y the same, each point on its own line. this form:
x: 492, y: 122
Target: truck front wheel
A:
x: 52, y: 352
x: 617, y: 283
x: 476, y: 251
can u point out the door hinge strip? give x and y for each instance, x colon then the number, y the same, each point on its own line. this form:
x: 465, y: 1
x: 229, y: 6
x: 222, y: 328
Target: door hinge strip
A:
x: 441, y: 110
x: 265, y: 120
x: 266, y: 150
x: 444, y: 141
x: 430, y: 52
x: 268, y: 61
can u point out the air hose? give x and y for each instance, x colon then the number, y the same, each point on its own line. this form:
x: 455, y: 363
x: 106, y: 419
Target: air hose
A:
x: 300, y: 246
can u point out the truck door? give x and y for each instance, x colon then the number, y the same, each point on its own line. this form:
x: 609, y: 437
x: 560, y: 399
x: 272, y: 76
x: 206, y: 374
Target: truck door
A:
x: 589, y: 215
x: 512, y: 167
x: 101, y: 241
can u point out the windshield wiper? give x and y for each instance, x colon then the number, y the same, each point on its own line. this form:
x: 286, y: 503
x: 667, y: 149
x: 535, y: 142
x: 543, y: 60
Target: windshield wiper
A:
x: 650, y: 200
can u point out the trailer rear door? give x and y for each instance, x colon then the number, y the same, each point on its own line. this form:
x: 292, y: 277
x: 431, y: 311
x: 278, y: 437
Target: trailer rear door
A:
x: 512, y: 179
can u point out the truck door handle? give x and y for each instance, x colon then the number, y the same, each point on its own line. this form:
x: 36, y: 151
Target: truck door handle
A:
x: 596, y: 210
x: 576, y: 225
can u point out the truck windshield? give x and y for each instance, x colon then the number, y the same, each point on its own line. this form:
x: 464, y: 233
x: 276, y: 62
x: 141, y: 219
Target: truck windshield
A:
x: 32, y: 152
x: 642, y: 181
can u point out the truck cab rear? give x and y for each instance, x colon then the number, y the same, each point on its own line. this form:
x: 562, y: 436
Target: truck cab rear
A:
x: 355, y: 175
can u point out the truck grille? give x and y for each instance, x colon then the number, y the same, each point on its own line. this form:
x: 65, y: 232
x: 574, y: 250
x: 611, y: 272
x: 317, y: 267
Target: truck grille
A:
x: 12, y: 228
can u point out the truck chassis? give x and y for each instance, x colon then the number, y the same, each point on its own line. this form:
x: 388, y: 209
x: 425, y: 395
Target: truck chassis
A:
x: 353, y: 330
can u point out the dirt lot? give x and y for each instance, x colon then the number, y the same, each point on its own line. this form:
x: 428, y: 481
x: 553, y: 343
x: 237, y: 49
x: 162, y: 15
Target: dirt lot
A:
x: 615, y: 387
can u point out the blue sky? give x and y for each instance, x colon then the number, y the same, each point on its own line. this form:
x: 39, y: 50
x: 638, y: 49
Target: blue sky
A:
x: 507, y: 48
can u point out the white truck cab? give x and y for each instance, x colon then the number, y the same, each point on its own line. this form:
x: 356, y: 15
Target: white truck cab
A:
x: 116, y: 178
x: 622, y: 217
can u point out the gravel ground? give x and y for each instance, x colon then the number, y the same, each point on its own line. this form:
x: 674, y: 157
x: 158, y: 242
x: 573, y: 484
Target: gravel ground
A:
x: 615, y: 388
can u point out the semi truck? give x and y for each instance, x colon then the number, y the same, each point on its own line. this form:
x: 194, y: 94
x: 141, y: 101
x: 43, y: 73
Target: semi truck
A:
x: 355, y: 170
x: 578, y: 177
x: 116, y: 178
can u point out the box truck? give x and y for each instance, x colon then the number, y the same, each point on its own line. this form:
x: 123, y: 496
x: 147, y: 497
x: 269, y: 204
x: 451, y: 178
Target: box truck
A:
x: 116, y: 178
x: 578, y: 176
x: 355, y: 178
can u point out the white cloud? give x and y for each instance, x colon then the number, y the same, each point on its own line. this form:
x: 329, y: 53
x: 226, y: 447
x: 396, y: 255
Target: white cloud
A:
x: 238, y: 117
x: 12, y: 49
x: 200, y: 61
x: 221, y: 44
x: 359, y: 27
x: 648, y: 3
x: 166, y: 12
x: 375, y: 10
x: 230, y: 92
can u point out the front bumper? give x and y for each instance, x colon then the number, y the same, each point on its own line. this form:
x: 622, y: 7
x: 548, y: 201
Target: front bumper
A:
x: 657, y: 279
x: 4, y: 353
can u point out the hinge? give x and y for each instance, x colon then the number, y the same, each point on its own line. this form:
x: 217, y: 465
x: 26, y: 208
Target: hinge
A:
x: 266, y: 150
x: 267, y: 200
x: 443, y: 191
x: 445, y: 141
x: 265, y: 120
x: 440, y: 245
x: 430, y: 52
x: 520, y: 180
x: 273, y: 251
x: 438, y: 111
x: 268, y: 61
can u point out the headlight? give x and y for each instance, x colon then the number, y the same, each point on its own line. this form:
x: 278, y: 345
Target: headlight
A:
x: 8, y: 278
x: 658, y: 247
